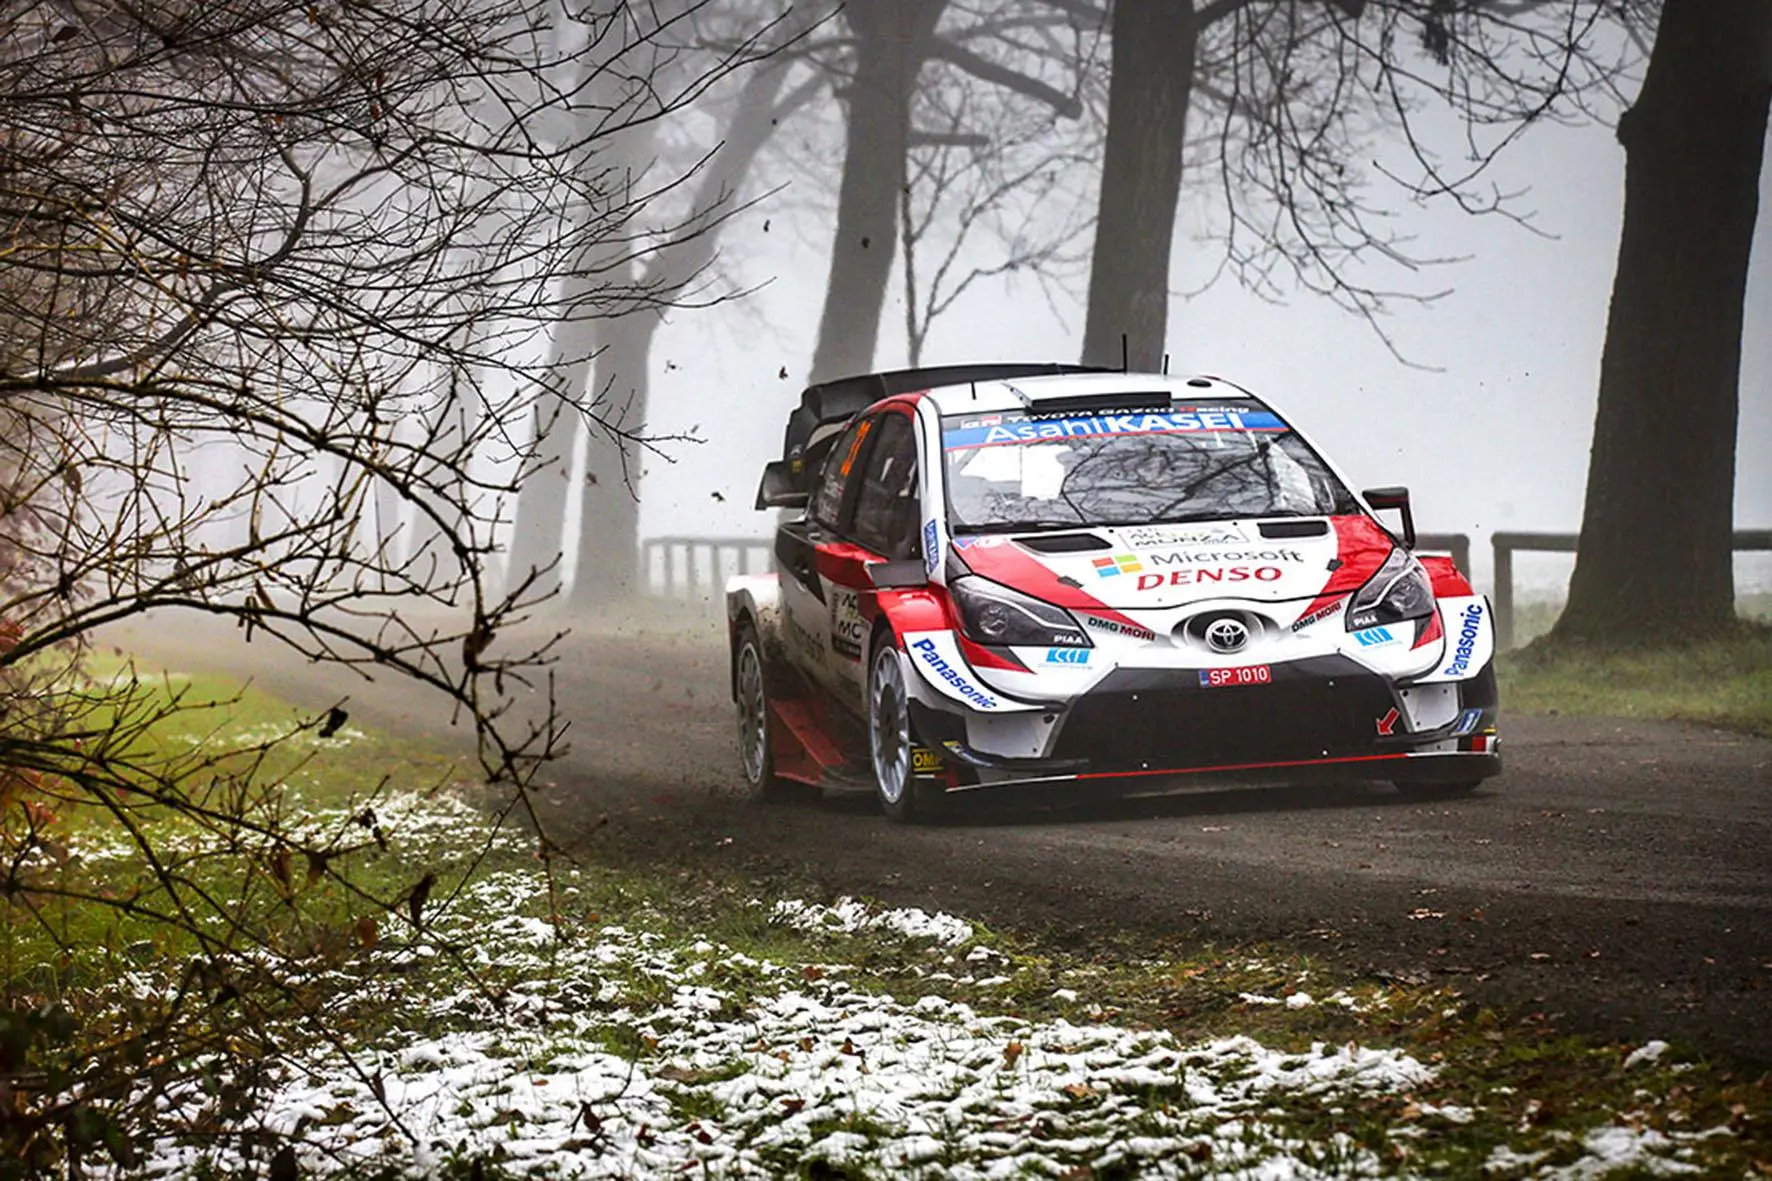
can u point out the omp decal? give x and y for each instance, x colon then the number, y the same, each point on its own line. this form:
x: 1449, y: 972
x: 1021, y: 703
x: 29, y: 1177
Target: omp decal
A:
x: 847, y: 628
x: 1142, y: 536
x: 931, y: 546
x: 1188, y: 421
x: 1131, y: 631
x: 929, y: 653
x: 1470, y: 627
x: 1388, y: 723
x: 1195, y: 557
x: 1067, y: 656
x: 1117, y: 564
x: 925, y: 761
x: 1320, y: 614
x: 1209, y: 574
x: 1375, y: 637
x: 1467, y: 721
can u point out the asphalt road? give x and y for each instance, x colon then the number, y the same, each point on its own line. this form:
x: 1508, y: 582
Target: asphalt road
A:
x: 1619, y: 874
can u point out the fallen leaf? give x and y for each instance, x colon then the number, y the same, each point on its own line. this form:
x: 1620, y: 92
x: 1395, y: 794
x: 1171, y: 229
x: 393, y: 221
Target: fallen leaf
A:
x: 366, y: 931
x: 1011, y: 1052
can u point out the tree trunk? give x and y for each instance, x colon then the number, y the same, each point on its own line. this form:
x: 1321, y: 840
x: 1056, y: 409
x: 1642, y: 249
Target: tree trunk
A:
x: 1153, y: 75
x: 891, y: 43
x: 609, y: 521
x: 537, y: 538
x: 1655, y: 558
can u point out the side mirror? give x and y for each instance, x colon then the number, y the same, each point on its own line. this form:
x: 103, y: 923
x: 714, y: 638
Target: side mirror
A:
x: 1397, y: 498
x: 901, y: 575
x: 779, y: 489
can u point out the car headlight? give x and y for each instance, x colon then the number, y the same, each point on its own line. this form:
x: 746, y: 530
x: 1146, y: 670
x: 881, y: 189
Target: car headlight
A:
x: 1399, y: 591
x: 993, y: 614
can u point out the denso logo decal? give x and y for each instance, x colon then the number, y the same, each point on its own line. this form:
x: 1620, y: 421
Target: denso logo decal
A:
x: 927, y: 653
x: 1209, y: 574
x: 1467, y: 641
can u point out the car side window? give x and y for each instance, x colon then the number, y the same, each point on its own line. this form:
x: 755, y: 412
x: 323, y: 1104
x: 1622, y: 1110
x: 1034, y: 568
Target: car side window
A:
x: 833, y: 478
x: 886, y: 503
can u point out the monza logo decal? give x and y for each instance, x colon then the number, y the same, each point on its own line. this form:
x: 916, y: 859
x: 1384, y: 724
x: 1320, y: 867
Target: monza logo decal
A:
x: 1144, y: 536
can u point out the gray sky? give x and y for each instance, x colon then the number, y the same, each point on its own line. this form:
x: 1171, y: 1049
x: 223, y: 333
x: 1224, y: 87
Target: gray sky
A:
x: 1497, y: 439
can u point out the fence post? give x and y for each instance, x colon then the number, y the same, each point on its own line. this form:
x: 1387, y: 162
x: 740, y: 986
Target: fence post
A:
x: 1504, y: 593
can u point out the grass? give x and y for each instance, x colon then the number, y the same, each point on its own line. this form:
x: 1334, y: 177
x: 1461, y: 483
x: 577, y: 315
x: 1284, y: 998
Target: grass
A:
x: 1723, y: 682
x: 541, y: 979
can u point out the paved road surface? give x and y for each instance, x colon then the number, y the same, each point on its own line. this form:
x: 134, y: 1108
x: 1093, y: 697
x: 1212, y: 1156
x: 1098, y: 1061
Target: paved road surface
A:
x: 1619, y: 873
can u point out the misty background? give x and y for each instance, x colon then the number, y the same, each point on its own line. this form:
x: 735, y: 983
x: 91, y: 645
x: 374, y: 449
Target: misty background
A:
x: 1489, y: 425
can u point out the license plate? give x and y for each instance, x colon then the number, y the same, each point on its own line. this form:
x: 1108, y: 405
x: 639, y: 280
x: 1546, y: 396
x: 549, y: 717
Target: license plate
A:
x: 1249, y: 674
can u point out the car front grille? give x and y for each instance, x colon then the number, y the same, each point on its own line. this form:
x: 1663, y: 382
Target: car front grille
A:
x: 1180, y: 727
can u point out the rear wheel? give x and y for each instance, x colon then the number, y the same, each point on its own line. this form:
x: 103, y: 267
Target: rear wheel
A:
x: 889, y: 739
x: 751, y: 689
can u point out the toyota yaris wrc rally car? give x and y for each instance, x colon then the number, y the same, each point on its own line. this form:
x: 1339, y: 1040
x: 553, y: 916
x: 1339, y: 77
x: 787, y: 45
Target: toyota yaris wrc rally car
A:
x: 1018, y: 574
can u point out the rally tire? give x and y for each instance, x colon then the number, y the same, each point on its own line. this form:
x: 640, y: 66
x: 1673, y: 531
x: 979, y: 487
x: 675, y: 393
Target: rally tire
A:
x: 890, y: 741
x: 750, y: 691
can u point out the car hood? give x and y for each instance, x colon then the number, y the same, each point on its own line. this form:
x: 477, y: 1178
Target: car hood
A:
x: 1158, y: 566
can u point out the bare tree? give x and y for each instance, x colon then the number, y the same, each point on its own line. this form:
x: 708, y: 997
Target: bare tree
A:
x: 1655, y: 563
x: 882, y: 64
x: 329, y: 237
x: 991, y: 193
x: 1293, y: 108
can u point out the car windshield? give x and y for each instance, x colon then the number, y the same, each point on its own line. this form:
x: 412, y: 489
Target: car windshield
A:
x: 1025, y: 470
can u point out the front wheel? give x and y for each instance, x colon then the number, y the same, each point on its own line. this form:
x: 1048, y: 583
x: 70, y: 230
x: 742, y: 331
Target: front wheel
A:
x: 889, y: 739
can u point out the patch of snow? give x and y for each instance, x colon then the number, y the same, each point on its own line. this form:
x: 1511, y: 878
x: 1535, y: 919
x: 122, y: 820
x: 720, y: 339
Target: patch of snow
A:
x: 1299, y: 1000
x: 849, y: 916
x: 1612, y: 1148
x: 1647, y: 1052
x: 780, y: 1070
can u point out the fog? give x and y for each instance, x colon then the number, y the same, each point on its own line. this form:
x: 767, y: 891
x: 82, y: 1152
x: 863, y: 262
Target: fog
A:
x: 1488, y: 424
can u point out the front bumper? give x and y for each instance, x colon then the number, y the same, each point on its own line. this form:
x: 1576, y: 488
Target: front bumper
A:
x: 1319, y: 719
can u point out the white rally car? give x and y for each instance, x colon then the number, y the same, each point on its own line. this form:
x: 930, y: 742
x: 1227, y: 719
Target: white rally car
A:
x: 1013, y: 574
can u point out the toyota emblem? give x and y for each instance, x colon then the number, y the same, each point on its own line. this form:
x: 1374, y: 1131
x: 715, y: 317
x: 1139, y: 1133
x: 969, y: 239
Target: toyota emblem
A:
x: 1227, y: 635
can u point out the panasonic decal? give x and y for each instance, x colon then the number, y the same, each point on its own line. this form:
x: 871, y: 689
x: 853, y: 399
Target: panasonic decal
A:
x: 1467, y: 641
x: 928, y: 653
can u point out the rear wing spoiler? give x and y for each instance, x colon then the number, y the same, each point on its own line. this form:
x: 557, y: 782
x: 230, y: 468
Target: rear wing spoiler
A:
x: 832, y: 403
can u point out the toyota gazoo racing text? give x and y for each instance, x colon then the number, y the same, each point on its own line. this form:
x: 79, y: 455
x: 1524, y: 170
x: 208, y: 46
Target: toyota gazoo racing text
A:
x: 1016, y: 574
